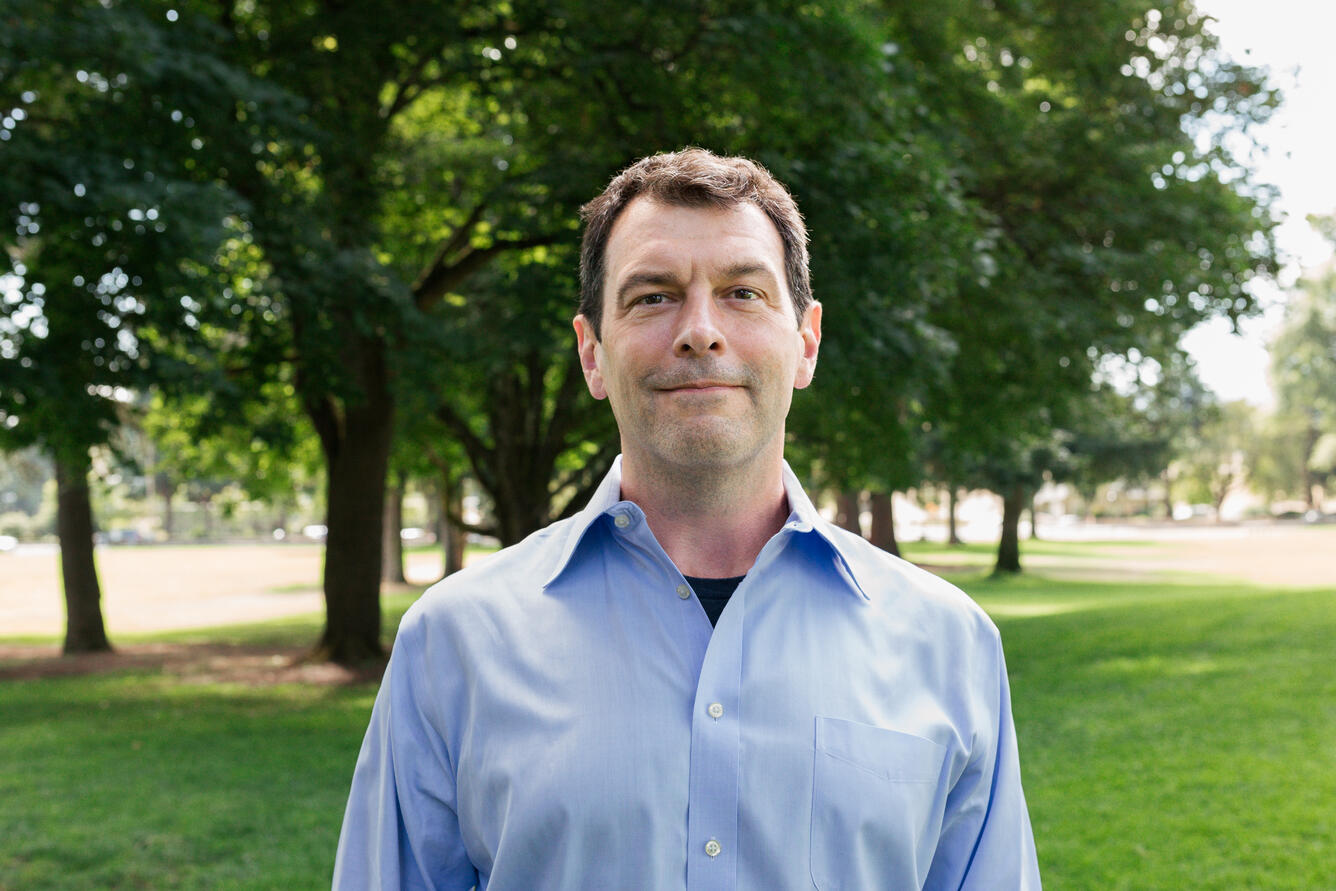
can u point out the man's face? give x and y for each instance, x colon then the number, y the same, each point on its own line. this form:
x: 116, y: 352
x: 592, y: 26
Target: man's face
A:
x: 699, y: 354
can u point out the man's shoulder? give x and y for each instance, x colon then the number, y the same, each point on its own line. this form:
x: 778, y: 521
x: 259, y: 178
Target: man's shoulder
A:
x: 894, y: 584
x: 503, y: 580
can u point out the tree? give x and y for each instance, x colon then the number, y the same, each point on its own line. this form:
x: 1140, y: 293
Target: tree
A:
x: 271, y: 456
x: 1303, y: 364
x: 23, y: 476
x: 107, y: 228
x: 1322, y: 461
x: 1213, y: 462
x: 1135, y: 422
x: 1113, y: 220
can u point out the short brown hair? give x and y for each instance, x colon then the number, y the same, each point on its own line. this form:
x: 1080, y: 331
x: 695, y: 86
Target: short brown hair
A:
x: 693, y: 177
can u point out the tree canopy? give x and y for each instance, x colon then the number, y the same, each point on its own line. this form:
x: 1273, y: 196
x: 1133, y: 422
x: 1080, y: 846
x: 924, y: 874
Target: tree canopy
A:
x: 368, y: 213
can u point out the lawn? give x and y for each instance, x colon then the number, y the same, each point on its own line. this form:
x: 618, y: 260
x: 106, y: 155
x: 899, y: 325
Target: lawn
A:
x: 1174, y: 734
x: 141, y: 779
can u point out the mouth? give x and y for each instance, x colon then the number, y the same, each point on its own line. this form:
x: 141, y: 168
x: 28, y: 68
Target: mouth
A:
x: 701, y: 387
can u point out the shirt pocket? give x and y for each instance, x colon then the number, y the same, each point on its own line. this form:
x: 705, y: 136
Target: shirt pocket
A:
x: 876, y: 806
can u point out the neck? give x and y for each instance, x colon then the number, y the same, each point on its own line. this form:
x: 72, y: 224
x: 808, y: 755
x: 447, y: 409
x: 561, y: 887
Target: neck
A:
x: 712, y: 522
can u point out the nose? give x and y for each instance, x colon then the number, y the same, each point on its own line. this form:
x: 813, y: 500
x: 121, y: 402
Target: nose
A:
x: 699, y: 331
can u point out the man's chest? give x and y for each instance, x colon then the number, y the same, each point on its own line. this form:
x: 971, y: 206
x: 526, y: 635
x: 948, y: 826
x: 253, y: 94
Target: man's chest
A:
x: 776, y: 757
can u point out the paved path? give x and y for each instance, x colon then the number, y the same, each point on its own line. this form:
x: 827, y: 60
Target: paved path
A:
x: 1271, y: 555
x: 162, y: 587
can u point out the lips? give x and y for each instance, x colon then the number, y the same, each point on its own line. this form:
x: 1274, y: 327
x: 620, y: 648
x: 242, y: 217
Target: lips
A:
x: 703, y: 385
x: 703, y: 377
x: 684, y: 380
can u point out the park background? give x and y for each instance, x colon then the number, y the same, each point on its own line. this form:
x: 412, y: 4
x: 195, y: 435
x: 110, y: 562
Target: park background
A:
x: 284, y: 336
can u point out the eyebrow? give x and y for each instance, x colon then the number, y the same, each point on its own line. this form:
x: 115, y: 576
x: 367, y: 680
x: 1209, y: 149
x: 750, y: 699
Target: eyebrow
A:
x: 663, y: 279
x: 742, y: 270
x: 640, y: 279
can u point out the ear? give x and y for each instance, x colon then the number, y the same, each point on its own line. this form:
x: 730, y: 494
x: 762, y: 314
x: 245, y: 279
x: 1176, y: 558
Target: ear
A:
x: 586, y: 343
x: 810, y: 333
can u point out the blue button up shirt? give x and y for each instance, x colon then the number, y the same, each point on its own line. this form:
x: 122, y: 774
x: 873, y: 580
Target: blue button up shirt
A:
x: 561, y: 716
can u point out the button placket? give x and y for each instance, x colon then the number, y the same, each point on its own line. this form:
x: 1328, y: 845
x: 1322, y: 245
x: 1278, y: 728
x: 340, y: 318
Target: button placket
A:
x: 712, y: 809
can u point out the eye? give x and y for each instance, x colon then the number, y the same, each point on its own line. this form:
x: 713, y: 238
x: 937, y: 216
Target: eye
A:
x: 746, y: 294
x: 649, y: 300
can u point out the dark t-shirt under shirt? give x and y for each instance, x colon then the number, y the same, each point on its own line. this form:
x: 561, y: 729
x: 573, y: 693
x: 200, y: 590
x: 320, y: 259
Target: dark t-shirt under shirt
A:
x: 714, y: 593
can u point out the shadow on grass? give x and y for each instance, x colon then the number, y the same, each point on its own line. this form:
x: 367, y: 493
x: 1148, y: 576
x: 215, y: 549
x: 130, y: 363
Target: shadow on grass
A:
x: 257, y: 654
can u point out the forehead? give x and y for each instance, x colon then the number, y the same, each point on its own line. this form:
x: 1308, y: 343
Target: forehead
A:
x: 654, y: 233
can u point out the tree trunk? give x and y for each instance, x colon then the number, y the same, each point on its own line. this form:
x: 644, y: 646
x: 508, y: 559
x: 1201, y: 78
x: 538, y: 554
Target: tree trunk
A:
x: 206, y: 509
x: 1168, y: 494
x: 1009, y: 548
x: 883, y: 523
x: 1310, y: 475
x: 84, y: 630
x: 452, y: 538
x: 356, y: 443
x: 847, y: 512
x: 1034, y: 519
x: 952, y: 537
x: 167, y: 488
x: 392, y: 560
x: 1219, y: 499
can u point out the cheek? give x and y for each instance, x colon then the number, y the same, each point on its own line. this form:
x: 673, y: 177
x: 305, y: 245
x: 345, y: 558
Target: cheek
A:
x: 612, y: 380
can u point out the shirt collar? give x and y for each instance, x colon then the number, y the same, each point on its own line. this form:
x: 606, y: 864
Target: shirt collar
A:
x: 606, y: 496
x: 803, y: 517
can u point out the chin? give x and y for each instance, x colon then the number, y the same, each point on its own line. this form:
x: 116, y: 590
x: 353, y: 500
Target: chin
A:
x: 702, y: 449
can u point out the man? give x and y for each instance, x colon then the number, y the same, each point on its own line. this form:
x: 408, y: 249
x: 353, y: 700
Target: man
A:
x: 563, y: 715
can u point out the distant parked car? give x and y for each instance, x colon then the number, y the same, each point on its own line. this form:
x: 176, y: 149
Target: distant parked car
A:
x: 122, y: 537
x: 415, y: 535
x: 1192, y: 511
x: 315, y: 532
x: 8, y: 542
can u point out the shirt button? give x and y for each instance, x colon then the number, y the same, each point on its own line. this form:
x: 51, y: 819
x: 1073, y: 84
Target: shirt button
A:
x: 683, y: 591
x: 712, y: 848
x: 715, y: 711
x: 622, y: 521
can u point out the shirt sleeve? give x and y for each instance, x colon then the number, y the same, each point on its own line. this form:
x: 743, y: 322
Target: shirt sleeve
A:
x: 986, y: 839
x: 401, y: 829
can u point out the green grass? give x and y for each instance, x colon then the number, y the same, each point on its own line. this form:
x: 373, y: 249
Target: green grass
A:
x: 137, y: 779
x: 1172, y: 736
x: 133, y: 781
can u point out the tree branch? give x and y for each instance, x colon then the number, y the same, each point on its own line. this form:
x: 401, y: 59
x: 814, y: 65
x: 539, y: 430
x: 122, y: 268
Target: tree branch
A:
x: 444, y: 276
x: 457, y: 520
x: 409, y: 88
x: 589, y: 477
x: 479, y: 454
x: 457, y: 241
x: 563, y: 413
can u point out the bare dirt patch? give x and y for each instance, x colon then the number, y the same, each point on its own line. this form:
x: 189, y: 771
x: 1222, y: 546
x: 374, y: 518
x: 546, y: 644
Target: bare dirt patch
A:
x: 176, y: 587
x: 188, y: 663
